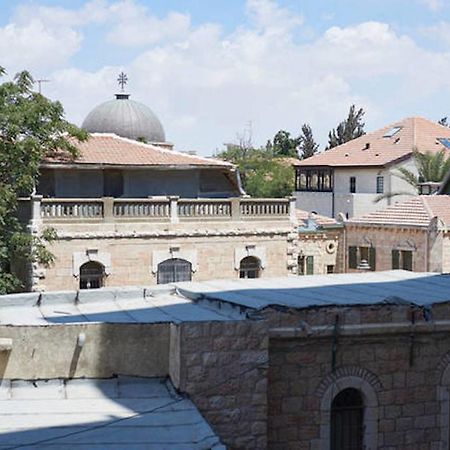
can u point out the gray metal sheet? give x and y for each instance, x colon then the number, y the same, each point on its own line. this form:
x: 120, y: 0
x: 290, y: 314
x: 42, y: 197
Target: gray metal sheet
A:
x: 120, y: 413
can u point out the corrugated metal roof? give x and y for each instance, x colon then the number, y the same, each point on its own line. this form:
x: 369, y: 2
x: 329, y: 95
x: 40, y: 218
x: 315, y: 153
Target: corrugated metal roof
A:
x: 326, y: 290
x: 120, y: 413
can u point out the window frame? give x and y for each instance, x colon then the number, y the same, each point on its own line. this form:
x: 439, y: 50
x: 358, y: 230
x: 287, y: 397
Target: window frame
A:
x: 380, y: 184
x: 86, y: 279
x: 253, y: 267
x: 352, y: 185
x: 164, y: 277
x: 314, y: 179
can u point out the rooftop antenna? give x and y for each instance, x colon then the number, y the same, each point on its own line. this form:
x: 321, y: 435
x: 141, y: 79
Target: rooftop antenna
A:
x: 39, y: 83
x: 122, y: 80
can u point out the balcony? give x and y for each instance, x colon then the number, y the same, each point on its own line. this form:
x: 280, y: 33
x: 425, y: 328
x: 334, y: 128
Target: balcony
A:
x: 159, y: 209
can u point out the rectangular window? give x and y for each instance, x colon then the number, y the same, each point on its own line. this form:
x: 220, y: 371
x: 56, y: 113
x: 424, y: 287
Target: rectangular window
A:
x: 380, y: 185
x: 309, y: 265
x: 352, y: 185
x: 395, y: 259
x: 407, y: 260
x: 330, y: 269
x: 352, y: 257
x: 301, y: 265
x: 402, y: 259
x: 357, y: 254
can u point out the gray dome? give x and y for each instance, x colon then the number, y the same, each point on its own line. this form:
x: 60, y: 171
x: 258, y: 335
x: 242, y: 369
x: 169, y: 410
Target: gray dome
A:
x: 125, y: 118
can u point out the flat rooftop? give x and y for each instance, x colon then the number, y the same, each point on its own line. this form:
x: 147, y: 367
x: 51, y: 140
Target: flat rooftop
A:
x: 157, y: 304
x: 222, y: 300
x: 118, y: 413
x: 371, y: 288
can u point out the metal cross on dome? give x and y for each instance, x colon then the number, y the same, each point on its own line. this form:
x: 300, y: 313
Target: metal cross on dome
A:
x: 123, y: 80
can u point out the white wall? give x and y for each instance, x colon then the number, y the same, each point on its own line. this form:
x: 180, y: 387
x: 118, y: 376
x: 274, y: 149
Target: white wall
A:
x: 320, y: 202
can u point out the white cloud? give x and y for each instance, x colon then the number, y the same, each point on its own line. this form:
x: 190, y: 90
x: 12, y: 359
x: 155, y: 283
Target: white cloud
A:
x: 206, y: 85
x: 434, y: 5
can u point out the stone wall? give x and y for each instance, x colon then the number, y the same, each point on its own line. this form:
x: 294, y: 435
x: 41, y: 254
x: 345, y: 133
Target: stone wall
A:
x: 397, y: 359
x: 387, y: 238
x: 223, y: 368
x: 131, y: 254
x: 51, y: 351
x: 326, y: 248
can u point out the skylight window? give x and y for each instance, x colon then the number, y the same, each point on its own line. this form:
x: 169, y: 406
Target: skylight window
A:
x: 392, y: 132
x: 445, y: 142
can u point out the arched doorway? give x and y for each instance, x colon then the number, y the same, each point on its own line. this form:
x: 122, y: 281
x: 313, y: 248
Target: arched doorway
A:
x: 347, y: 420
x: 92, y: 275
x: 173, y: 270
x: 250, y: 267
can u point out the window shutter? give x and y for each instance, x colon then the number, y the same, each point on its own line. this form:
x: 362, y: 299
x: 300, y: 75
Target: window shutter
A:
x: 407, y: 260
x: 352, y: 257
x: 309, y: 265
x: 395, y: 259
x: 372, y: 258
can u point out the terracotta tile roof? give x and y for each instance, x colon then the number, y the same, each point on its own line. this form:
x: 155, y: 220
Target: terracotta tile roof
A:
x: 374, y: 149
x: 302, y: 216
x: 110, y: 149
x: 417, y: 211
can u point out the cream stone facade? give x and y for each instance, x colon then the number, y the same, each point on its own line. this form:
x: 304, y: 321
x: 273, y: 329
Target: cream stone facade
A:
x: 412, y: 235
x: 131, y: 249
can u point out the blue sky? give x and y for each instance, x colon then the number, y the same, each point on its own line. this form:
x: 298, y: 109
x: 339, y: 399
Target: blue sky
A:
x: 213, y: 70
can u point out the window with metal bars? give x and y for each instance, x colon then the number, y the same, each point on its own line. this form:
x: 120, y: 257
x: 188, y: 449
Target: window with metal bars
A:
x: 173, y: 270
x: 92, y: 275
x: 347, y: 420
x: 250, y: 267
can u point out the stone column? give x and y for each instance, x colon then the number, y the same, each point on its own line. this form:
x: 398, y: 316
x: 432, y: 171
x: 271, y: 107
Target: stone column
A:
x: 236, y: 208
x: 108, y: 209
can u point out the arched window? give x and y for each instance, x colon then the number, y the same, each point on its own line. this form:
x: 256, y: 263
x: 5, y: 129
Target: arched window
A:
x: 347, y: 420
x: 250, y: 267
x: 92, y: 275
x: 175, y: 269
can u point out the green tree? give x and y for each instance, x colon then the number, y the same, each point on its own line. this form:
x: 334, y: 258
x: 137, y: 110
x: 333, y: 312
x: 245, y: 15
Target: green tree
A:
x: 431, y: 167
x: 349, y: 129
x: 31, y: 128
x: 308, y: 146
x: 285, y: 145
x: 262, y: 173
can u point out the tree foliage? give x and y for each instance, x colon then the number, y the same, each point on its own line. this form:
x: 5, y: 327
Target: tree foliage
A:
x: 262, y: 173
x: 430, y: 167
x: 284, y: 144
x: 349, y: 129
x: 308, y: 146
x: 31, y: 127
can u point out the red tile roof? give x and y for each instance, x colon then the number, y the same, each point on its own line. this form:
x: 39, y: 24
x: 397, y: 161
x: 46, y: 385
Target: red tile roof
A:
x: 373, y: 149
x: 110, y: 149
x: 417, y: 211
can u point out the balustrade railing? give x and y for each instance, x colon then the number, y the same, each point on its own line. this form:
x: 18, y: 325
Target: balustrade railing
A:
x: 204, y: 208
x: 141, y: 208
x: 65, y: 209
x: 264, y: 207
x: 170, y: 209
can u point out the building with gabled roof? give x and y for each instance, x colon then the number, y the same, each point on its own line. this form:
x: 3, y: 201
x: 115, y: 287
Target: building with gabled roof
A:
x: 347, y: 179
x: 410, y: 235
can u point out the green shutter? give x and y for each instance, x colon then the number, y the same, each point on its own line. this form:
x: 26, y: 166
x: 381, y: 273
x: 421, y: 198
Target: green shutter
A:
x: 309, y: 265
x: 372, y: 258
x: 407, y: 260
x: 352, y: 257
x: 395, y: 259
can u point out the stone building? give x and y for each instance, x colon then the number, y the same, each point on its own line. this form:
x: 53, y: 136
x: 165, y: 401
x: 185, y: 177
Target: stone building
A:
x: 348, y: 178
x: 320, y: 248
x: 129, y: 210
x: 410, y: 235
x: 329, y: 361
